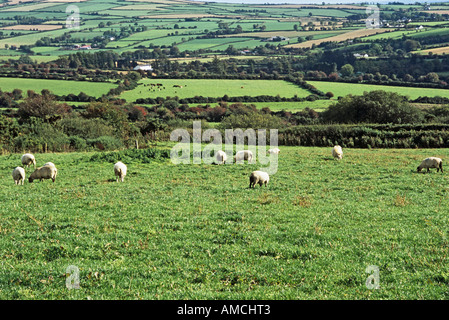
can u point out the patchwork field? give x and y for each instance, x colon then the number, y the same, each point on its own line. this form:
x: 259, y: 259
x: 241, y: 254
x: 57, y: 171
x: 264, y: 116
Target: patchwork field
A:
x: 202, y: 234
x: 343, y: 89
x: 59, y: 87
x: 212, y: 88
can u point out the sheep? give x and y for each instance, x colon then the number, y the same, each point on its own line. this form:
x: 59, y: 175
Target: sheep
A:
x: 44, y: 172
x: 28, y: 159
x: 50, y: 164
x: 120, y: 171
x: 243, y: 155
x: 431, y: 162
x: 18, y: 175
x: 274, y: 151
x: 258, y: 177
x: 221, y: 157
x: 337, y: 152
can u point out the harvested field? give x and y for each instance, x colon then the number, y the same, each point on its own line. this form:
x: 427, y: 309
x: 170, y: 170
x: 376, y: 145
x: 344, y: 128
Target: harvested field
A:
x: 341, y: 37
x: 329, y: 6
x: 40, y: 27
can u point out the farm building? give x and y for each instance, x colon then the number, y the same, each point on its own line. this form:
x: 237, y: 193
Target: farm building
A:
x: 146, y: 67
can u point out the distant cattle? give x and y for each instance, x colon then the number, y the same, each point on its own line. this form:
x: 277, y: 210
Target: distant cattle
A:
x: 177, y: 86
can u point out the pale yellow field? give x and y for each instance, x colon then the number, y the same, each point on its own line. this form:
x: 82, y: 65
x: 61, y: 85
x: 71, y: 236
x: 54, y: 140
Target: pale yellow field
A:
x: 341, y: 37
x: 141, y: 7
x: 31, y: 7
x: 40, y: 27
x: 329, y: 6
x: 440, y: 50
x: 437, y: 11
x: 181, y: 16
x: 288, y: 34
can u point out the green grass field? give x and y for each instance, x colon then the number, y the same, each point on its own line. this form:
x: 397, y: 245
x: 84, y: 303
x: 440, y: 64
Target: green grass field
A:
x: 197, y: 231
x: 213, y: 88
x: 59, y: 87
x: 343, y: 89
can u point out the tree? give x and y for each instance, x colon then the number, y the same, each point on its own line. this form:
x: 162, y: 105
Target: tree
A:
x: 347, y: 70
x: 373, y: 107
x: 44, y: 107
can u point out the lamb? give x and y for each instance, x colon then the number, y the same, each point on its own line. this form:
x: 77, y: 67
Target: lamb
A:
x: 28, y: 159
x: 221, y: 157
x: 18, y: 175
x: 337, y: 152
x: 243, y: 155
x: 44, y: 172
x: 258, y: 177
x: 120, y: 171
x: 431, y: 162
x: 274, y: 151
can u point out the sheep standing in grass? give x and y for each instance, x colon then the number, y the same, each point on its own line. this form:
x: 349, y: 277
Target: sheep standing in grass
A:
x: 50, y: 164
x: 337, y: 152
x: 243, y: 155
x: 18, y: 175
x: 44, y: 172
x: 120, y: 171
x: 274, y: 151
x: 221, y: 157
x: 28, y: 160
x: 431, y: 162
x: 258, y: 177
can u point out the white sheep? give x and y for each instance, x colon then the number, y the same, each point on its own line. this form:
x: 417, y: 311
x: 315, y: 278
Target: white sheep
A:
x: 120, y: 171
x: 274, y: 151
x: 243, y: 155
x: 28, y: 160
x: 50, y: 164
x: 431, y: 162
x: 221, y: 157
x: 258, y: 177
x: 18, y: 175
x: 44, y: 172
x: 337, y: 152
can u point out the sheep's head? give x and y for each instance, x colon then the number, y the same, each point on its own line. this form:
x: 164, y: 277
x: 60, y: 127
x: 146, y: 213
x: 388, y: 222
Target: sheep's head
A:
x: 30, y: 180
x: 419, y: 169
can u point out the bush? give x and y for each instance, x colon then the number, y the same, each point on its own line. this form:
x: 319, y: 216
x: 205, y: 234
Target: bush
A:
x: 131, y: 155
x: 105, y: 143
x: 77, y: 143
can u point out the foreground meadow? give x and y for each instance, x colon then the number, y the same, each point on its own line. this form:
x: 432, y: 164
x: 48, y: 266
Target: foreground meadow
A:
x: 197, y: 231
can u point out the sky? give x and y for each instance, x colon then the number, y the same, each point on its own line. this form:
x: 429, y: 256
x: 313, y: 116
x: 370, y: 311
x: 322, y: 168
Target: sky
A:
x: 318, y: 2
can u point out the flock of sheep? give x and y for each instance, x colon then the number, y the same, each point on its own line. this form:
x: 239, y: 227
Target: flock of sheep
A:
x: 49, y: 171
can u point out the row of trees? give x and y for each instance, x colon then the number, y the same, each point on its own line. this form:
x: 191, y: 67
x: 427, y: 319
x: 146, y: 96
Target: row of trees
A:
x: 43, y: 123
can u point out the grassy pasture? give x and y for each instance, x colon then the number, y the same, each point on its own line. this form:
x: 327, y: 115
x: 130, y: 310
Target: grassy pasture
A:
x: 213, y: 88
x: 197, y: 231
x: 343, y: 89
x: 58, y: 87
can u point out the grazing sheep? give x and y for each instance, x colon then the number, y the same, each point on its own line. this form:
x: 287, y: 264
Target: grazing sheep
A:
x: 50, y: 164
x: 18, y: 175
x: 431, y: 162
x: 221, y: 157
x: 274, y: 151
x: 258, y: 177
x: 243, y: 155
x: 44, y: 172
x: 337, y: 152
x: 120, y: 171
x: 28, y: 160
